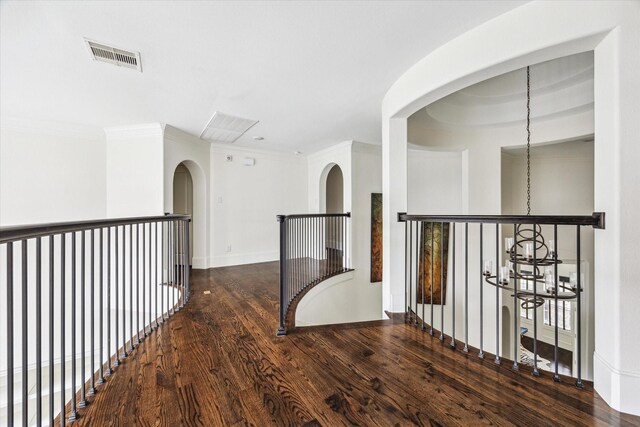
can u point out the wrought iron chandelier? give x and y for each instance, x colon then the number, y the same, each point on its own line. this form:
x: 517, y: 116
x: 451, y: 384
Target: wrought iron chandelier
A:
x: 530, y: 258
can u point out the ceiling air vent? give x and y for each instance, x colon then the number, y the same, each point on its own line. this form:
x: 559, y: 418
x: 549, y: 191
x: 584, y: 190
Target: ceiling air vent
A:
x: 113, y: 55
x: 225, y: 128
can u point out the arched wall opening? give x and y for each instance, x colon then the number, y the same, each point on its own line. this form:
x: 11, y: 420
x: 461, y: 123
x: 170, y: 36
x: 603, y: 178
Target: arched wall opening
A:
x: 198, y: 226
x: 183, y: 199
x: 502, y: 45
x: 331, y: 189
x: 334, y: 191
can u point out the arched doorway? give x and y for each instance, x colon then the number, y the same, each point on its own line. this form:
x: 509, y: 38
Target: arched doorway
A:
x: 334, y: 191
x: 183, y: 199
x: 334, y: 203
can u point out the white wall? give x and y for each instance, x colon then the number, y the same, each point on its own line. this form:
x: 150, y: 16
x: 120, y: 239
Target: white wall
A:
x: 435, y: 182
x: 181, y: 147
x: 246, y: 199
x: 50, y: 172
x: 612, y: 30
x: 346, y: 298
x: 134, y: 170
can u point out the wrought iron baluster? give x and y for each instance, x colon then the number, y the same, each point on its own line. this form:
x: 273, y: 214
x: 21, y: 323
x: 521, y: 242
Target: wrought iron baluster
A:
x: 497, y: 359
x: 514, y: 258
x: 92, y: 385
x: 535, y: 302
x: 579, y: 383
x: 453, y: 285
x: 63, y: 297
x: 74, y: 414
x: 83, y: 394
x: 443, y: 285
x: 116, y: 362
x: 481, y: 353
x: 130, y: 287
x: 433, y: 232
x: 108, y: 371
x: 9, y: 346
x: 466, y: 287
x: 406, y: 281
x: 51, y: 325
x: 25, y: 346
x: 38, y: 331
x: 556, y: 377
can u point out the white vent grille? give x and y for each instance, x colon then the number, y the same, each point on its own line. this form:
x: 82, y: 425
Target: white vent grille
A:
x: 225, y: 128
x: 113, y: 55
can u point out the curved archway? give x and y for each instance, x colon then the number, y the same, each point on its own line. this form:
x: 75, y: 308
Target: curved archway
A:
x: 332, y: 189
x: 183, y: 199
x: 199, y: 221
x: 485, y: 52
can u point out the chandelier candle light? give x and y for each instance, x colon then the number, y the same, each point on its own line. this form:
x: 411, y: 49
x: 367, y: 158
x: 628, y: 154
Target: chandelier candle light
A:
x: 528, y: 253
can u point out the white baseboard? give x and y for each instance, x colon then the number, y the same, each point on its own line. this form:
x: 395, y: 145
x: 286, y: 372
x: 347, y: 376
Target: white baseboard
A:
x: 620, y: 389
x: 241, y: 259
x: 199, y: 263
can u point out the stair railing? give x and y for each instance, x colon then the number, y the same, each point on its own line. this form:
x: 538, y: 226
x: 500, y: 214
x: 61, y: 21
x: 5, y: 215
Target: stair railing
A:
x: 509, y: 258
x: 82, y: 293
x: 313, y: 247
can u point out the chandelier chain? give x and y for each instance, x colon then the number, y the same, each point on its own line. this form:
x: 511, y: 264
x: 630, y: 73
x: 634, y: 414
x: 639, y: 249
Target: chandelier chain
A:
x: 528, y: 143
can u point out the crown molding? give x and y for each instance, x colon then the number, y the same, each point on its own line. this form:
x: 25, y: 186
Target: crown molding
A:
x: 337, y: 148
x: 364, y: 147
x: 52, y: 128
x: 134, y: 131
x: 178, y: 135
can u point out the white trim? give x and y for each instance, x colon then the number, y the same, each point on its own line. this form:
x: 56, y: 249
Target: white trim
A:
x: 616, y: 371
x: 199, y: 263
x: 242, y: 259
x: 363, y: 147
x: 176, y: 135
x: 615, y: 386
x: 337, y: 148
x: 134, y: 131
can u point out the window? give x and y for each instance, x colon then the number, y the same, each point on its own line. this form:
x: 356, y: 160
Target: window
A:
x: 564, y: 314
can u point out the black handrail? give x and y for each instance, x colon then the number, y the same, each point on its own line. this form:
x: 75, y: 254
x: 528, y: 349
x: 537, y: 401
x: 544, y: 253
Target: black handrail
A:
x: 336, y: 215
x: 313, y: 247
x: 112, y: 262
x: 14, y: 233
x: 520, y: 269
x: 596, y: 220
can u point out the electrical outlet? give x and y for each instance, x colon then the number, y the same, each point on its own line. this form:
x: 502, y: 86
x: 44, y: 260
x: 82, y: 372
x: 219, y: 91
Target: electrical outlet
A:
x: 228, y: 248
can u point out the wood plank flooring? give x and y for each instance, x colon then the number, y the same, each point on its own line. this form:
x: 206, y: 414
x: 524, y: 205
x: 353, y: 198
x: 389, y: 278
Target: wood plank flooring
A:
x: 217, y: 362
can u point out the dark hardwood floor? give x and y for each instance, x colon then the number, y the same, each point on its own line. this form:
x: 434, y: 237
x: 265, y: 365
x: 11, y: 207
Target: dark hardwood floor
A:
x: 217, y: 362
x: 545, y: 350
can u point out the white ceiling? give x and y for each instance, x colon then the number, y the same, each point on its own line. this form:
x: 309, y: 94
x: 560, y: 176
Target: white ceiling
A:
x: 312, y: 73
x: 559, y: 88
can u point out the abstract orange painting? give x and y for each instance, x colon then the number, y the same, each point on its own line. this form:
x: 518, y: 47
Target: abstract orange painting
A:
x: 436, y: 248
x: 376, y: 237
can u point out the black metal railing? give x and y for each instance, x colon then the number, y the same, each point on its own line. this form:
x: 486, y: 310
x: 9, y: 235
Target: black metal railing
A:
x: 530, y: 277
x: 313, y: 248
x: 82, y: 293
